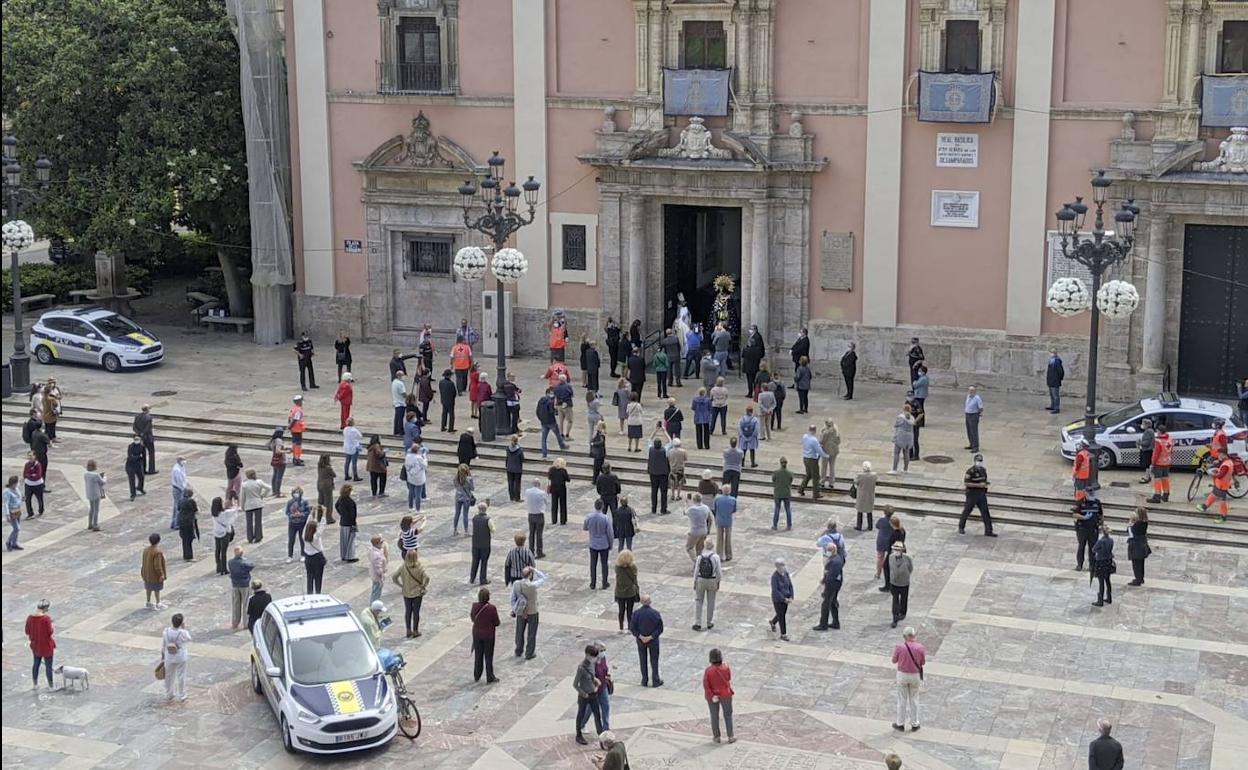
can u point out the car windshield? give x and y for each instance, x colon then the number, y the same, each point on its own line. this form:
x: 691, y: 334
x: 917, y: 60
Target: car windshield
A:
x: 331, y: 658
x: 1117, y: 416
x: 116, y: 325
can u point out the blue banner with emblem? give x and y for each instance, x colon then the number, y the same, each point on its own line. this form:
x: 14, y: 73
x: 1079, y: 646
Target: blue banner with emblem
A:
x: 1224, y: 100
x: 696, y: 92
x: 952, y: 97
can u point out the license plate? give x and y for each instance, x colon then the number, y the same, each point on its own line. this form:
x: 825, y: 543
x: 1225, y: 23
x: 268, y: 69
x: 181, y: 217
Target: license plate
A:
x: 349, y: 737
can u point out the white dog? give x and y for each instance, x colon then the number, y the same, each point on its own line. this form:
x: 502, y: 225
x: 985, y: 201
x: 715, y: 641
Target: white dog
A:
x: 73, y: 674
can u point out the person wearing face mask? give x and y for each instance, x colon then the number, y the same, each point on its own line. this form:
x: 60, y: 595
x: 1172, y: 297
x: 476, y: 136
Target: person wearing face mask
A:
x: 752, y: 354
x: 976, y: 482
x: 134, y: 467
x: 297, y: 513
x: 781, y: 598
x: 177, y: 487
x: 303, y: 351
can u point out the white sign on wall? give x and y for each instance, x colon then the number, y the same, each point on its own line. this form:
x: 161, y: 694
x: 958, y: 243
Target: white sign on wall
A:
x: 957, y: 150
x: 955, y: 208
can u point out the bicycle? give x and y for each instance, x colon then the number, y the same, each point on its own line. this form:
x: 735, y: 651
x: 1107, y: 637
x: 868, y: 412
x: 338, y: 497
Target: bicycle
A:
x: 1203, y: 474
x: 409, y: 716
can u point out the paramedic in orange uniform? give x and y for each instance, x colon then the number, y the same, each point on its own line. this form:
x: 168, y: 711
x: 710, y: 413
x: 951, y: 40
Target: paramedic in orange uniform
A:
x: 1082, y: 471
x: 294, y: 421
x: 461, y: 362
x: 1163, y: 451
x: 1221, y: 488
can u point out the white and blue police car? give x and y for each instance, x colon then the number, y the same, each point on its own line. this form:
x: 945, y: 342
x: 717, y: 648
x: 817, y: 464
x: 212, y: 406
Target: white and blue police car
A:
x: 94, y: 335
x: 313, y: 662
x: 1188, y: 420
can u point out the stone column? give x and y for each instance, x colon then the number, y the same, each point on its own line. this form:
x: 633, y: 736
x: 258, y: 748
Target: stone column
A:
x: 760, y: 286
x: 636, y: 261
x: 1155, y: 292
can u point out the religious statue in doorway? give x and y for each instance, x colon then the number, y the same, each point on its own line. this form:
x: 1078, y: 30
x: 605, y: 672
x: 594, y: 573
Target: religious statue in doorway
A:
x: 723, y: 309
x: 682, y: 310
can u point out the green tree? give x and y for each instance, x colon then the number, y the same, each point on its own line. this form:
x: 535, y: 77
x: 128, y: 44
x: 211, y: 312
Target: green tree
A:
x: 137, y: 104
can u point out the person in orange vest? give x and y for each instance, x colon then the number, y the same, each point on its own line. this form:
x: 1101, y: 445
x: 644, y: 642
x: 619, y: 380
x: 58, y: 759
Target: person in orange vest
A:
x: 558, y: 339
x: 461, y: 362
x: 1163, y: 451
x: 1219, y: 445
x: 556, y: 370
x: 344, y: 396
x: 294, y: 421
x: 1082, y: 471
x: 1222, y: 478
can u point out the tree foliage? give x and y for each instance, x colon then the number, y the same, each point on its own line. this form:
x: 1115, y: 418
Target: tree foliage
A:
x: 137, y: 104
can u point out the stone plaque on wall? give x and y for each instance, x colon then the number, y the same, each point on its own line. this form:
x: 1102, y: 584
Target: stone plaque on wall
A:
x: 837, y: 252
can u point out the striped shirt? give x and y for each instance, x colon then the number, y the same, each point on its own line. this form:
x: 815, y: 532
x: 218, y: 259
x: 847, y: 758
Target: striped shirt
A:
x: 517, y: 559
x: 409, y: 539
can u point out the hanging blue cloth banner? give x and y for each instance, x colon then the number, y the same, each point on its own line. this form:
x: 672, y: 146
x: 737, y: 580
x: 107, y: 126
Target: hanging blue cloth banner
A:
x: 951, y: 97
x: 1224, y: 100
x: 696, y: 92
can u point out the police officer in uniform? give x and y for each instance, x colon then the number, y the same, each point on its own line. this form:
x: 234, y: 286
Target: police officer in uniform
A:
x: 303, y: 350
x: 1087, y: 515
x: 976, y: 482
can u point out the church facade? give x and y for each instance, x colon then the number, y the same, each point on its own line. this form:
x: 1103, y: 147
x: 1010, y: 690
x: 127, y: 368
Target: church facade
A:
x: 871, y: 170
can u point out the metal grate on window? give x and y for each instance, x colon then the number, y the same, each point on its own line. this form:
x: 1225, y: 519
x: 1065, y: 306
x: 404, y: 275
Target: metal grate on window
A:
x: 575, y: 251
x: 427, y: 256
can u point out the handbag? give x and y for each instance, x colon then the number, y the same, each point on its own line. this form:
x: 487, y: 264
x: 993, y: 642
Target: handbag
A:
x: 403, y: 473
x: 1113, y: 567
x: 912, y: 660
x: 160, y: 670
x: 853, y: 490
x: 610, y: 686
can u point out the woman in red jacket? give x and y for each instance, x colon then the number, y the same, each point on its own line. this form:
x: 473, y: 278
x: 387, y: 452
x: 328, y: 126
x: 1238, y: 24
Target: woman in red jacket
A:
x: 717, y: 686
x: 42, y: 643
x: 484, y: 622
x: 345, y: 395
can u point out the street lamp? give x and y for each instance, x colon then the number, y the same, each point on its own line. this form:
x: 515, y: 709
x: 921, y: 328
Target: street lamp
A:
x: 17, y: 236
x: 1115, y: 300
x: 498, y: 223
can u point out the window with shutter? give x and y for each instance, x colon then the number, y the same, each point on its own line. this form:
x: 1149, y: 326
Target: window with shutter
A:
x: 705, y: 45
x: 427, y: 255
x: 1233, y: 47
x: 962, y: 46
x: 419, y: 54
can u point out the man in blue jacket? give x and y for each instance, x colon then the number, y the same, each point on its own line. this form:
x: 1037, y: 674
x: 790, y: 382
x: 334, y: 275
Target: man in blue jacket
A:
x: 647, y: 627
x: 549, y: 420
x: 833, y: 573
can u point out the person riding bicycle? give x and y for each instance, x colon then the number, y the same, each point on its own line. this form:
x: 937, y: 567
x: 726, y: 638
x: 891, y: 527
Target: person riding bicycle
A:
x: 1222, y: 478
x: 1163, y: 452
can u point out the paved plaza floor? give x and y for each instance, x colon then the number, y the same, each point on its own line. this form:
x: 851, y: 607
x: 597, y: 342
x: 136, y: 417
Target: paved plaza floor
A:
x: 1020, y: 664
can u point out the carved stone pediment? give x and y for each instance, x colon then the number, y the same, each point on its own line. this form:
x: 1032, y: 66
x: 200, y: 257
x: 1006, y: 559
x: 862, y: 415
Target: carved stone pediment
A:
x: 1232, y: 154
x: 420, y: 150
x: 695, y: 144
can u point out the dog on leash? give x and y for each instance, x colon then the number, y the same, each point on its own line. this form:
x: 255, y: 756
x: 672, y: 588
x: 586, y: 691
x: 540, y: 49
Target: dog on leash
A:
x: 73, y: 674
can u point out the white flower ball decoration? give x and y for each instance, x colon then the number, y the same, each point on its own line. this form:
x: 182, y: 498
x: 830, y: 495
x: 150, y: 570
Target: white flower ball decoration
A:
x: 18, y: 235
x: 470, y: 263
x: 1068, y: 297
x: 1117, y: 300
x: 509, y: 265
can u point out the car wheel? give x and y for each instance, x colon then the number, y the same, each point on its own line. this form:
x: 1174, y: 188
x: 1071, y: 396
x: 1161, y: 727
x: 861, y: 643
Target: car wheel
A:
x: 255, y: 679
x: 44, y: 354
x: 288, y: 741
x: 112, y: 363
x: 1105, y: 459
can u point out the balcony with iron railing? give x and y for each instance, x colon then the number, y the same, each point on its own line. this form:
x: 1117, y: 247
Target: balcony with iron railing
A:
x: 408, y: 78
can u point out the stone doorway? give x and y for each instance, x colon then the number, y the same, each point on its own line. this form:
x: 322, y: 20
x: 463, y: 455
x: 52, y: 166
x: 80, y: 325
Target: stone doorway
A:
x: 699, y: 243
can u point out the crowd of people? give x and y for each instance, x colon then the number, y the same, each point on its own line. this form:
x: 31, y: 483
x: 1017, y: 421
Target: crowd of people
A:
x: 710, y: 502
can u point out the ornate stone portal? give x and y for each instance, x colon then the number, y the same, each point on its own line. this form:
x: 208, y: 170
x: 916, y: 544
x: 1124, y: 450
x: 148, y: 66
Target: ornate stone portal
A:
x: 695, y: 143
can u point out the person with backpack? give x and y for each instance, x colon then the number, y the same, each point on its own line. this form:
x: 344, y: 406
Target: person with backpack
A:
x: 707, y: 572
x: 900, y: 567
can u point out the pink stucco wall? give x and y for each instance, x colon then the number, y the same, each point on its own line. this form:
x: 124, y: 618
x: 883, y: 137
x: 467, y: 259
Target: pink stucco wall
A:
x: 837, y: 205
x: 1109, y: 52
x: 485, y: 48
x: 954, y: 276
x: 352, y: 46
x: 590, y: 54
x: 821, y: 51
x: 569, y: 188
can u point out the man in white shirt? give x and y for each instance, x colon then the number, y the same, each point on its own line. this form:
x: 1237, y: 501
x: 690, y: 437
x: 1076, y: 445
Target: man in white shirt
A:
x: 177, y: 484
x: 707, y: 572
x: 699, y: 527
x: 535, y: 501
x: 398, y: 397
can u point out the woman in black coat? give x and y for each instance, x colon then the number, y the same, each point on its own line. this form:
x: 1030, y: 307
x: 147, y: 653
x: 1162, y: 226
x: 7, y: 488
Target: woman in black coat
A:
x: 1137, y: 544
x: 466, y: 452
x: 342, y: 353
x: 752, y: 358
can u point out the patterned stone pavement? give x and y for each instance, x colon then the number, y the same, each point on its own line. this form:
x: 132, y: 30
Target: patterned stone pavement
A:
x: 1021, y: 666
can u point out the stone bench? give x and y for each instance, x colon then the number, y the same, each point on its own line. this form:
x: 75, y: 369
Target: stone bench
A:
x: 37, y: 300
x: 239, y: 322
x: 92, y: 295
x: 203, y: 303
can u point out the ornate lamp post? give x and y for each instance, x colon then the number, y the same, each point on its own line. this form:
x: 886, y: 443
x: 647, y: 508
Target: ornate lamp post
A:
x: 1116, y: 300
x: 17, y: 236
x: 499, y: 221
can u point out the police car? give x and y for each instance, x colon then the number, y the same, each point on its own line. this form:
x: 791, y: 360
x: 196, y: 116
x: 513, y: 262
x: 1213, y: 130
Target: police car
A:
x: 313, y: 662
x: 94, y: 335
x: 1188, y: 420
